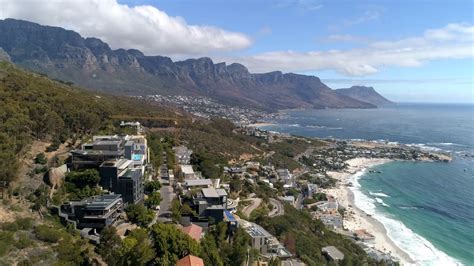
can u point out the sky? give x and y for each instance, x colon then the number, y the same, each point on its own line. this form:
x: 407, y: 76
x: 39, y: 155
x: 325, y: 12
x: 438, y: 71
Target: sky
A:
x: 408, y: 50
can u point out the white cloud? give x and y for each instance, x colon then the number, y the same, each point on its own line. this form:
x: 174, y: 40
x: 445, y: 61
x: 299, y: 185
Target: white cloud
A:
x: 368, y: 15
x: 359, y: 81
x: 141, y: 27
x: 454, y: 41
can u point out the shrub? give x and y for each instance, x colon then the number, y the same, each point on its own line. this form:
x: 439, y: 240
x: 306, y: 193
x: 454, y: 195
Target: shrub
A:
x: 40, y: 158
x: 24, y: 223
x: 6, y: 240
x: 47, y: 234
x: 12, y: 227
x: 23, y: 241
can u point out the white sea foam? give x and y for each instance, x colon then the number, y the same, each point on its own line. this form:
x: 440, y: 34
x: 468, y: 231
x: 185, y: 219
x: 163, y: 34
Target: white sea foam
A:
x: 408, y: 207
x: 418, y: 248
x: 379, y: 194
x: 423, y: 147
x: 324, y: 127
x: 379, y: 200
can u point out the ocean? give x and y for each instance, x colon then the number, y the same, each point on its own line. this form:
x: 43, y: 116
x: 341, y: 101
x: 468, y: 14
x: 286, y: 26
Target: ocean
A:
x: 426, y: 207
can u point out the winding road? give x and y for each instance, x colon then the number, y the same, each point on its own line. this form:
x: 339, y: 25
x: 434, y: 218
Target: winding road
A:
x: 278, y: 210
x: 249, y: 209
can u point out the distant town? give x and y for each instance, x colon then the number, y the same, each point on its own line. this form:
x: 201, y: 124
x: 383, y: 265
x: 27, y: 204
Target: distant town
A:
x: 206, y: 107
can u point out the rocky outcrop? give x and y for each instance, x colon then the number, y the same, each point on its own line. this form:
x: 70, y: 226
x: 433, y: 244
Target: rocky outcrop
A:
x: 365, y: 94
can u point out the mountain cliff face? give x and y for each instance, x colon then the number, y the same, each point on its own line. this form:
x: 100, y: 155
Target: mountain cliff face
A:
x: 4, y: 56
x: 365, y: 94
x: 89, y: 62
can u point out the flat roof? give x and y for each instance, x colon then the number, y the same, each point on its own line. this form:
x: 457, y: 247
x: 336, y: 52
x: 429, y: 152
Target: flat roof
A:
x: 97, y: 152
x: 99, y: 137
x: 187, y: 169
x: 255, y: 230
x: 120, y: 163
x: 102, y: 202
x: 197, y: 182
x: 333, y: 252
x: 107, y: 142
x: 213, y: 193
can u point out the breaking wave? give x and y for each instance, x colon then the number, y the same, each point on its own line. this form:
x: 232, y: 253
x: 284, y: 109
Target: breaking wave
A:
x: 418, y: 248
x: 379, y: 194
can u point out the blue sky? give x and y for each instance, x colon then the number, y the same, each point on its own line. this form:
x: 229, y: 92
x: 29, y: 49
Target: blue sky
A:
x: 409, y: 50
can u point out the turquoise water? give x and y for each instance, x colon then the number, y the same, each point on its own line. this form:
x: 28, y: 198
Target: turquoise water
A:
x: 434, y: 200
x: 427, y: 208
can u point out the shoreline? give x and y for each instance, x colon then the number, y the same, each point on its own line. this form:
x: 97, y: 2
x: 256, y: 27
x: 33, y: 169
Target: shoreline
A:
x: 261, y: 124
x: 356, y: 218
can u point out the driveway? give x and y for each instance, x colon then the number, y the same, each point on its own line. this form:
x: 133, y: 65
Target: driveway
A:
x: 278, y: 208
x: 249, y: 209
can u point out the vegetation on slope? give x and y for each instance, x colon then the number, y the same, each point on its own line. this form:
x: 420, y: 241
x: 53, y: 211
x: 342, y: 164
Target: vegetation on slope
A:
x: 35, y: 107
x: 306, y: 237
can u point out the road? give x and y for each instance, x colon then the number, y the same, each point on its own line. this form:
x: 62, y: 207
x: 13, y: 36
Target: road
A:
x: 278, y: 208
x: 167, y: 195
x: 249, y: 209
x: 299, y: 202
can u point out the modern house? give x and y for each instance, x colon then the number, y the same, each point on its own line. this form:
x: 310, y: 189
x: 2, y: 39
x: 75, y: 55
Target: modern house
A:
x: 266, y: 243
x: 95, y: 212
x: 211, y: 202
x: 332, y: 253
x: 187, y: 171
x: 286, y: 177
x: 312, y: 189
x: 114, y: 147
x: 120, y: 177
x: 197, y: 183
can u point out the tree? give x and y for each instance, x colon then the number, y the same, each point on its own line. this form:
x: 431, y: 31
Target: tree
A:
x: 109, y: 245
x: 151, y: 186
x: 153, y: 200
x: 8, y: 160
x: 176, y: 210
x: 210, y: 252
x: 136, y: 248
x: 235, y: 185
x: 238, y: 251
x: 44, y: 120
x: 139, y: 214
x: 88, y: 177
x: 72, y: 251
x: 171, y: 244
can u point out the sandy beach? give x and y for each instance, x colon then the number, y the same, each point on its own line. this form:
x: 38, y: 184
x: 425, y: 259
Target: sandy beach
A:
x: 356, y: 218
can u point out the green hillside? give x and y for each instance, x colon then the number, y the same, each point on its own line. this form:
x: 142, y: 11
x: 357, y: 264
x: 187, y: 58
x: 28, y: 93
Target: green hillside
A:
x: 35, y: 107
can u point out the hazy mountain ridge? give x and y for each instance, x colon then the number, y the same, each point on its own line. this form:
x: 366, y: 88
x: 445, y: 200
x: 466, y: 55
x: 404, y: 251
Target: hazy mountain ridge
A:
x: 366, y: 94
x: 90, y: 62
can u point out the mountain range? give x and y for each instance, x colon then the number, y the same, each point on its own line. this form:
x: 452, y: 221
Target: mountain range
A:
x: 91, y: 63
